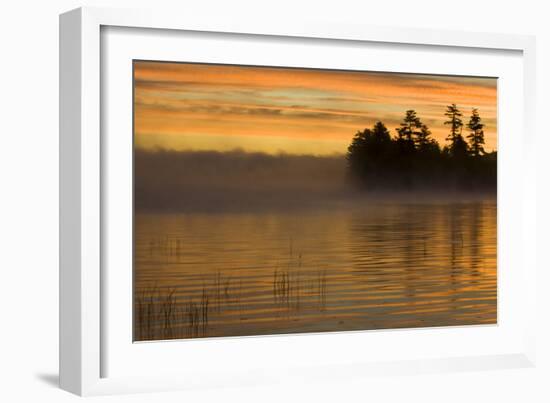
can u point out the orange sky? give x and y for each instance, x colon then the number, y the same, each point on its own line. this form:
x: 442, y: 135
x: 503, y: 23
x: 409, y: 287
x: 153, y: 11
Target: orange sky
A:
x: 298, y: 111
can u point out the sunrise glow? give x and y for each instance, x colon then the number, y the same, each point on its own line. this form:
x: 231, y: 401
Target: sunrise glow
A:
x: 185, y: 106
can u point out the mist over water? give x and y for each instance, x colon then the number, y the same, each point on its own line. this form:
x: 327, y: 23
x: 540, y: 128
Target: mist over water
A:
x: 217, y: 182
x: 230, y: 244
x: 214, y: 181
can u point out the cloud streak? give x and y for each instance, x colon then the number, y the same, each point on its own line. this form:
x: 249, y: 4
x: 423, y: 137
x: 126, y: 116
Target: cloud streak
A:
x: 176, y: 103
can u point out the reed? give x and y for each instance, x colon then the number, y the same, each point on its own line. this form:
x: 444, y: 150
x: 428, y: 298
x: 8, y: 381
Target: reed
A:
x: 322, y: 289
x: 167, y: 246
x: 168, y: 311
x: 197, y: 316
x: 292, y: 287
x: 160, y: 313
x: 155, y: 313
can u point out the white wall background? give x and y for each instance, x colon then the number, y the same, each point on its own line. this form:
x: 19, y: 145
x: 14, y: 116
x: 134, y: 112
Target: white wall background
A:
x: 29, y: 200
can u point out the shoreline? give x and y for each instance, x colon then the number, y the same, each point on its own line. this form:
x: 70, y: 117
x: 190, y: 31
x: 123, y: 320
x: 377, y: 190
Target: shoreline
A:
x: 349, y: 201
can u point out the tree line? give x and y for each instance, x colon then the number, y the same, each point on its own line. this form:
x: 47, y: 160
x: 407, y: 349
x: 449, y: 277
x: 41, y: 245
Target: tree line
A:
x: 412, y: 158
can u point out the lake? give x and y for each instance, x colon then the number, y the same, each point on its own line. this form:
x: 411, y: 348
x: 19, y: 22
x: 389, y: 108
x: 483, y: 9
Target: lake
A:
x: 356, y: 266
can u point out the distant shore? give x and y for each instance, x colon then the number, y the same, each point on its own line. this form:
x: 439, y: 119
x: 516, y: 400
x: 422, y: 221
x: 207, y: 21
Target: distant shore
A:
x: 175, y: 181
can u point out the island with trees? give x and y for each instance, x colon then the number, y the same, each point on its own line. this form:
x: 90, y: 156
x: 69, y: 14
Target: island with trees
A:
x: 413, y: 159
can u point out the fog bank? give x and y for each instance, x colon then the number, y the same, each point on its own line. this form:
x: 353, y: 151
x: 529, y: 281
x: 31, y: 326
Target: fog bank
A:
x: 216, y: 181
x: 210, y: 181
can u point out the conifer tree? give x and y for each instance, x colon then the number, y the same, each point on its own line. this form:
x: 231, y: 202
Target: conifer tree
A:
x: 409, y: 128
x: 423, y: 137
x: 476, y: 137
x: 458, y: 147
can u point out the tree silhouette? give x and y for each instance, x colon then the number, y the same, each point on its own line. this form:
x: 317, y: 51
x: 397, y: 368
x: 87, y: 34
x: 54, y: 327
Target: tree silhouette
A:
x: 413, y: 159
x: 371, y: 151
x: 476, y: 137
x: 423, y: 139
x: 358, y: 151
x: 458, y: 147
x: 408, y: 129
x: 381, y: 133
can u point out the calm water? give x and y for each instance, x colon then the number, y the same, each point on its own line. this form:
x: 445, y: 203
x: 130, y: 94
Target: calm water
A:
x: 379, y: 265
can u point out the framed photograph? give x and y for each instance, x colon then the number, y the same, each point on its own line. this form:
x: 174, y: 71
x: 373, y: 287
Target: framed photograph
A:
x: 260, y: 202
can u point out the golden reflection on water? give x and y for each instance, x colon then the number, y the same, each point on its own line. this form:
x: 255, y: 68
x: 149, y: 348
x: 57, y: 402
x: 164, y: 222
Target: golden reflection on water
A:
x: 384, y: 265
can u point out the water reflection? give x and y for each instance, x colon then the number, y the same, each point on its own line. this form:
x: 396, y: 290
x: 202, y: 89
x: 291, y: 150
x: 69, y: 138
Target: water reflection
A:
x: 384, y: 265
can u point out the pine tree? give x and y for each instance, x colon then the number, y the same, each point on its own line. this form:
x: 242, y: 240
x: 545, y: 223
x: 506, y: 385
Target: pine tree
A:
x: 408, y: 129
x: 381, y: 133
x: 357, y: 151
x: 423, y: 138
x: 370, y: 153
x: 476, y: 137
x: 458, y: 147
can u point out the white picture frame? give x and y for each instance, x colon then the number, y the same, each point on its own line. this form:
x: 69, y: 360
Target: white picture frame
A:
x: 86, y: 346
